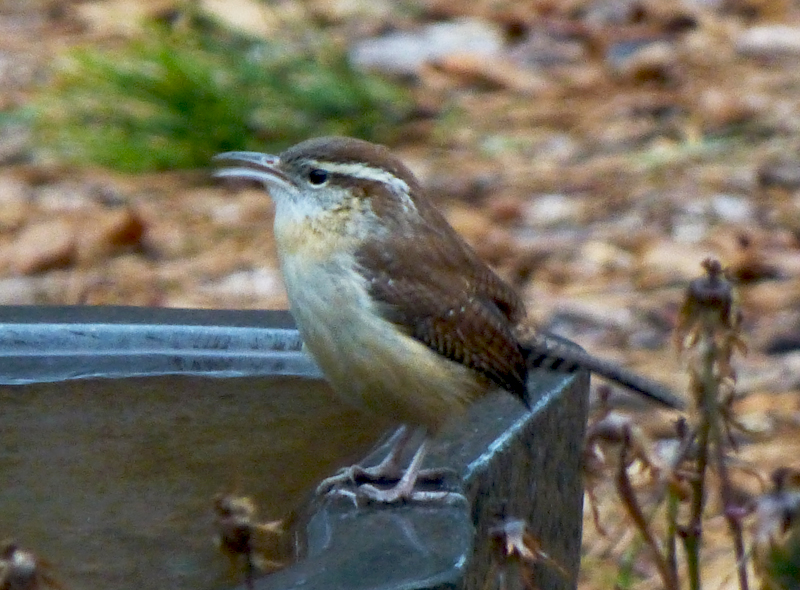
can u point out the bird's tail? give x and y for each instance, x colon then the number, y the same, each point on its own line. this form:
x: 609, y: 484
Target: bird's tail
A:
x: 545, y: 351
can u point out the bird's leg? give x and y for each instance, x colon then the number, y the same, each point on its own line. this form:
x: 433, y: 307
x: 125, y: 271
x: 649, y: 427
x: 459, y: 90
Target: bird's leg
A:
x: 388, y: 469
x: 404, y: 489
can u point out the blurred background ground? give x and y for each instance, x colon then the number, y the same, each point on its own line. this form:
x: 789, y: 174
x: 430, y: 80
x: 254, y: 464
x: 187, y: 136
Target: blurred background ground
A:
x: 594, y: 151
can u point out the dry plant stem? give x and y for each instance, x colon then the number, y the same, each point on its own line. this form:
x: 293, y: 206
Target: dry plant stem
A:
x: 249, y: 572
x: 734, y: 524
x: 629, y: 500
x: 692, y: 534
x: 673, y: 503
x: 673, y: 500
x: 711, y: 433
x: 711, y: 416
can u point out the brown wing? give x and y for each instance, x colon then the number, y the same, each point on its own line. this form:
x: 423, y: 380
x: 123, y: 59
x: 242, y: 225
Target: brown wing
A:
x: 436, y: 288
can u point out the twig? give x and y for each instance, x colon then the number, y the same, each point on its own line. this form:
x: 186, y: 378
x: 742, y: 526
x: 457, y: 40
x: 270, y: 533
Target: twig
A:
x: 631, y: 503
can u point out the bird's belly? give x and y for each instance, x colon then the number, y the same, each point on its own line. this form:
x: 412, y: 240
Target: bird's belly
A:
x: 368, y: 360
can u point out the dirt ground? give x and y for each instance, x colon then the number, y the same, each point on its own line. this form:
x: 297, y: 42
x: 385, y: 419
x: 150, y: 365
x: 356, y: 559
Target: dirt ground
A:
x: 596, y: 158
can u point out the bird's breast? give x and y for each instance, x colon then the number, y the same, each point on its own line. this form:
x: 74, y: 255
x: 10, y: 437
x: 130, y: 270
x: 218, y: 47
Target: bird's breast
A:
x: 368, y: 360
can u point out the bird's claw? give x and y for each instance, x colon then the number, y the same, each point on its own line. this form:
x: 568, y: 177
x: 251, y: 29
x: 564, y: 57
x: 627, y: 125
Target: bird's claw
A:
x: 397, y: 494
x: 353, y: 475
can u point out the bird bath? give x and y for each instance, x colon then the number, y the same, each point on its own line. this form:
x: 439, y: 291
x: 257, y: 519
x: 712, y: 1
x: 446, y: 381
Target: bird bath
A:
x: 119, y: 425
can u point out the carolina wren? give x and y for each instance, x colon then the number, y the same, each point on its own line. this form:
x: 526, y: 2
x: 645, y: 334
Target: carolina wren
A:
x: 401, y: 315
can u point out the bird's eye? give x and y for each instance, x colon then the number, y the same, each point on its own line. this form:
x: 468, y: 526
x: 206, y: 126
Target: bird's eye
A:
x: 317, y: 176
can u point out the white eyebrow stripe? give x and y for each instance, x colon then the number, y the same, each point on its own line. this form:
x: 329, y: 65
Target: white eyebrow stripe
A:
x: 366, y: 173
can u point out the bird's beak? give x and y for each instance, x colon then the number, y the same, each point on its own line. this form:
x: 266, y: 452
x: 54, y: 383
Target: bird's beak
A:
x: 263, y: 168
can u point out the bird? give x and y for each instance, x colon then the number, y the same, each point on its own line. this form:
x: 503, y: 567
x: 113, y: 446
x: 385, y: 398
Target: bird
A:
x: 401, y: 315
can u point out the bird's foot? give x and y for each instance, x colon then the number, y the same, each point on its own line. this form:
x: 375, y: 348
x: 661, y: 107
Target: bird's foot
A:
x: 359, y: 477
x: 358, y: 483
x: 402, y: 493
x: 356, y: 474
x: 368, y: 493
